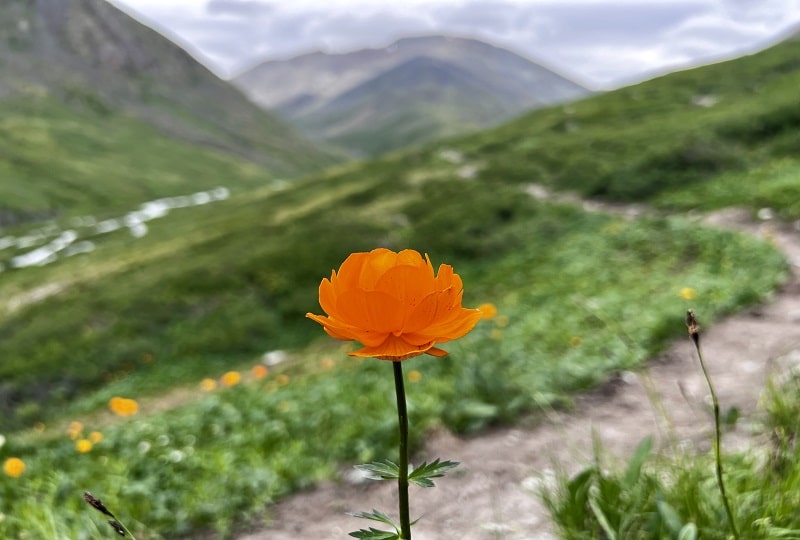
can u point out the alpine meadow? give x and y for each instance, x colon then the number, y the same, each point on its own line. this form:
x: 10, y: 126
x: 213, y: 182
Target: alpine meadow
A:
x: 163, y: 239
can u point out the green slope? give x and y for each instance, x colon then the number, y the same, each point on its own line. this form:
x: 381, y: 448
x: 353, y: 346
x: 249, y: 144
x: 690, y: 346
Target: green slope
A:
x: 658, y: 137
x: 97, y: 111
x: 56, y: 160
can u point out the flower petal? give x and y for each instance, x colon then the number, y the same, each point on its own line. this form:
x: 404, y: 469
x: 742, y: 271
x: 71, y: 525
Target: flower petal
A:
x: 349, y: 272
x: 373, y: 310
x: 327, y: 297
x: 339, y: 330
x: 423, y: 314
x: 377, y: 262
x: 393, y: 348
x: 408, y: 284
x: 453, y: 327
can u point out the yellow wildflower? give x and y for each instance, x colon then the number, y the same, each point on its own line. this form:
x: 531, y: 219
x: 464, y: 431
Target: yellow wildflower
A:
x: 14, y: 467
x: 231, y: 378
x: 83, y: 445
x: 687, y: 293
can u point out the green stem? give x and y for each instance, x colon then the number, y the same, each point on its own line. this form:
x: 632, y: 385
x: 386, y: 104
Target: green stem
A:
x: 717, y: 436
x: 402, y: 480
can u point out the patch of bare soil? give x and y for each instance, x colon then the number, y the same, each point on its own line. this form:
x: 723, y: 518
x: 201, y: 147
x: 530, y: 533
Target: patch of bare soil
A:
x: 494, y: 493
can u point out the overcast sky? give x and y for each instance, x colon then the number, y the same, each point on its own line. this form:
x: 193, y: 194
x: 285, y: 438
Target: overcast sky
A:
x: 600, y: 43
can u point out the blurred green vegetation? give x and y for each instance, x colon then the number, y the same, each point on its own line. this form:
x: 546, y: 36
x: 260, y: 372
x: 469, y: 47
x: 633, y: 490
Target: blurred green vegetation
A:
x: 676, y: 496
x: 669, y: 134
x: 58, y: 160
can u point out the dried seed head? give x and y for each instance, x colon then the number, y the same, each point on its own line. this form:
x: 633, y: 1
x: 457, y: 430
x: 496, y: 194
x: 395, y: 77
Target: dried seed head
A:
x: 693, y: 326
x: 96, y: 504
x: 117, y: 527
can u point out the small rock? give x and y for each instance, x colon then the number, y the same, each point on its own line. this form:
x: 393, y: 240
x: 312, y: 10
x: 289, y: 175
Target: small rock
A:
x: 765, y: 214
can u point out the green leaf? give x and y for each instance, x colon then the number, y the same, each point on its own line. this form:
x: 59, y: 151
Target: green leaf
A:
x: 436, y: 469
x: 637, y: 460
x: 671, y: 518
x: 374, y: 534
x: 380, y: 470
x: 578, y: 486
x: 376, y: 515
x: 688, y: 532
x: 602, y: 520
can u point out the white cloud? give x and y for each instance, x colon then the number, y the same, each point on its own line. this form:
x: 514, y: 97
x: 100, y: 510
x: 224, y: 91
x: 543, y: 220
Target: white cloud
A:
x: 600, y: 42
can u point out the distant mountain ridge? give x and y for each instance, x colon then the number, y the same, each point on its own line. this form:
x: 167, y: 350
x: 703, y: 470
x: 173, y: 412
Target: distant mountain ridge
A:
x: 443, y: 85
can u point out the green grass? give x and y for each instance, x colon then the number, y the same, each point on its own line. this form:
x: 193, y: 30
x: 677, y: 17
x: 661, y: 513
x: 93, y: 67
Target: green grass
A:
x: 656, y: 497
x: 55, y: 160
x: 774, y: 185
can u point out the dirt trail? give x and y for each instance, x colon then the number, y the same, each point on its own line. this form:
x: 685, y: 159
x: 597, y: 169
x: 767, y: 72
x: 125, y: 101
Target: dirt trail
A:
x: 494, y: 495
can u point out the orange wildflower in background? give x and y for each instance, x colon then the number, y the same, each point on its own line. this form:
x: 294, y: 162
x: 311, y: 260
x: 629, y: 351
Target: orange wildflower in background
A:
x: 208, y: 384
x: 488, y: 311
x: 394, y: 305
x: 259, y: 371
x: 14, y: 467
x: 231, y: 378
x: 74, y: 430
x: 123, y: 406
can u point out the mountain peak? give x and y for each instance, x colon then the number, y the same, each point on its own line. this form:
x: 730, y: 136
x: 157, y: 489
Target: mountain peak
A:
x: 310, y: 90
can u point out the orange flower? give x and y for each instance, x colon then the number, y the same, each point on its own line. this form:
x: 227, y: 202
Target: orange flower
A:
x: 231, y: 378
x: 14, y: 467
x: 488, y: 311
x: 394, y: 305
x: 259, y: 371
x: 74, y: 430
x: 123, y: 406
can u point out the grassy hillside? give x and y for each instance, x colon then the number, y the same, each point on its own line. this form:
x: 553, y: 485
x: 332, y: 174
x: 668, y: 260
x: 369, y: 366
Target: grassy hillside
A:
x: 98, y: 111
x: 211, y: 289
x: 56, y: 159
x: 658, y: 139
